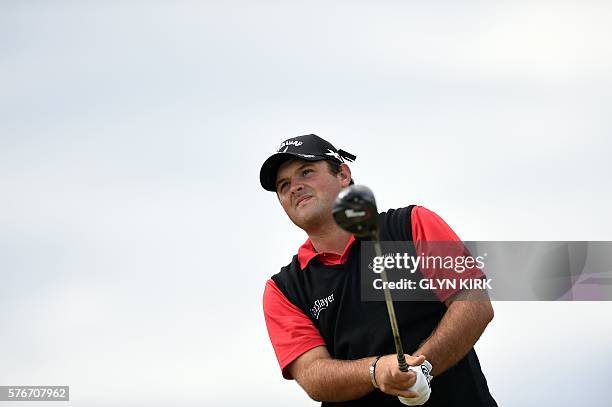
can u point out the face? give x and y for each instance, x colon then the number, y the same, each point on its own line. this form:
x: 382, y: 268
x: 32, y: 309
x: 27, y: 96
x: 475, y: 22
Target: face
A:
x: 307, y: 190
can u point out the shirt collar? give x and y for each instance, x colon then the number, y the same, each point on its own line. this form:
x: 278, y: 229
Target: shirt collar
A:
x: 307, y: 252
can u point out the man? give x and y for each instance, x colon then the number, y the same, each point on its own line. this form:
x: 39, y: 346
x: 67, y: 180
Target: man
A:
x: 339, y: 348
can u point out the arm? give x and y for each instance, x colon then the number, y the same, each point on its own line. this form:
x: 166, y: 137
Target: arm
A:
x: 467, y: 315
x: 468, y: 312
x: 302, y: 355
x: 328, y: 379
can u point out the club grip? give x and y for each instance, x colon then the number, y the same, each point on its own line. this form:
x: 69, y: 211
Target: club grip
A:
x: 401, y: 361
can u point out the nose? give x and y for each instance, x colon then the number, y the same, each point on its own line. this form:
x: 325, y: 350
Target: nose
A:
x: 296, y: 187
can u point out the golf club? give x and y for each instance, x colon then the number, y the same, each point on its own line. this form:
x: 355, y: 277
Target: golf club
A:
x: 355, y: 211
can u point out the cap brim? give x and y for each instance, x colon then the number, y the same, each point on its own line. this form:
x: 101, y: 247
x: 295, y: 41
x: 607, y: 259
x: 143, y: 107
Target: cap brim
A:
x: 267, y: 174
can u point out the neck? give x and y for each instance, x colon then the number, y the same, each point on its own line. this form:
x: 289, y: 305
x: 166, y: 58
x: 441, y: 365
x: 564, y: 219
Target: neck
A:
x: 330, y: 238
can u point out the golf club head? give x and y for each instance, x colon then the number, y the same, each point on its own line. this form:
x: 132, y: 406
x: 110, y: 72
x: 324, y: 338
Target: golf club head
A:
x: 355, y: 211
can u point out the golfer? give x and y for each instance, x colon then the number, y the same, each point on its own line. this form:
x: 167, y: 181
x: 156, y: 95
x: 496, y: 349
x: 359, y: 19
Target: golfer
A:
x: 339, y: 348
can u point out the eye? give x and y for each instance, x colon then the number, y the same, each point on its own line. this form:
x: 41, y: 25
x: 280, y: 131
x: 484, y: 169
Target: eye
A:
x: 282, y: 186
x: 306, y: 172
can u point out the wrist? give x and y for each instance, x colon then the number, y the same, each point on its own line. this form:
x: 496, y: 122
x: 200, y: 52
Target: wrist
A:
x: 373, y: 372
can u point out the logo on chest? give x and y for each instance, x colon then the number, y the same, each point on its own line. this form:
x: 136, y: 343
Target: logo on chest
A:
x: 320, y: 304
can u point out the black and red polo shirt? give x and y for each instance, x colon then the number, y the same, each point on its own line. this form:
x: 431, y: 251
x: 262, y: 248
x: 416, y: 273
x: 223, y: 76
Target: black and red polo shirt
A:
x: 316, y: 301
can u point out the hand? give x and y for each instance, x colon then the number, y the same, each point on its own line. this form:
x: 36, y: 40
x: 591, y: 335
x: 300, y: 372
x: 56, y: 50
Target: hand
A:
x: 421, y: 387
x: 393, y: 381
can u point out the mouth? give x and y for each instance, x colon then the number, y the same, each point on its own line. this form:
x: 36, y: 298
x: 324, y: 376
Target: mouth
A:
x: 302, y: 200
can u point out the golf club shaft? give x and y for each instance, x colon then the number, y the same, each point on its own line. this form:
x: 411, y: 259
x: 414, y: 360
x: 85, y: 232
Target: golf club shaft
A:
x: 401, y: 360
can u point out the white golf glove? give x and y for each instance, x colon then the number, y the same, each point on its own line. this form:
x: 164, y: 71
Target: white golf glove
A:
x: 421, y: 386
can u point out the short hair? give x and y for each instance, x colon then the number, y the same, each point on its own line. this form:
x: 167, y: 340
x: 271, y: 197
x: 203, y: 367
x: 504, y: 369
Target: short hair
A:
x: 334, y: 169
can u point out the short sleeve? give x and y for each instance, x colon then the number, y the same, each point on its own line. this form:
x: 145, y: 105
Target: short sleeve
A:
x: 291, y: 332
x: 428, y: 227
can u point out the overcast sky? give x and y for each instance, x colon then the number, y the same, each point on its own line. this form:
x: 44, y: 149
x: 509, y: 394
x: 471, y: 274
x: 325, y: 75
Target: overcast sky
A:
x: 135, y: 239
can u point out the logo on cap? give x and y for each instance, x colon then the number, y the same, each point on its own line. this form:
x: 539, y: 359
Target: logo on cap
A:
x: 288, y: 143
x: 333, y: 154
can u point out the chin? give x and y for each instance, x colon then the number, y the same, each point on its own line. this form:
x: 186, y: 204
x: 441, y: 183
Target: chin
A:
x: 308, y: 217
x: 302, y: 220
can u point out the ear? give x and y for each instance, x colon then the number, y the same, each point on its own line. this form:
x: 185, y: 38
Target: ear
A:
x: 344, y: 175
